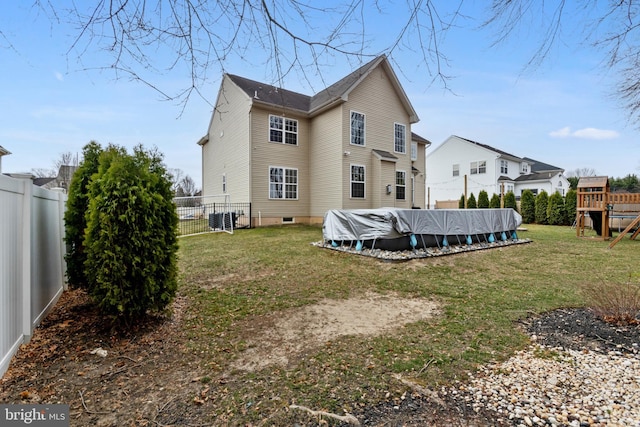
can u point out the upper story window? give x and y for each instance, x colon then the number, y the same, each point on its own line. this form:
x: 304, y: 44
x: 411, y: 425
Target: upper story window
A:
x: 504, y: 167
x: 478, y: 167
x: 283, y: 183
x: 400, y: 139
x: 414, y: 151
x: 357, y: 128
x: 401, y: 185
x: 456, y: 170
x: 525, y: 168
x: 357, y: 181
x: 283, y: 130
x: 224, y: 182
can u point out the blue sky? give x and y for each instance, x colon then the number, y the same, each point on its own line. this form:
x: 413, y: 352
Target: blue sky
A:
x: 560, y: 113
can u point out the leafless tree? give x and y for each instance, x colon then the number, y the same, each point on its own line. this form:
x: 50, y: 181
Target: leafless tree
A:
x: 611, y: 27
x: 65, y: 159
x: 187, y: 187
x: 284, y: 36
x: 177, y: 175
x: 580, y: 172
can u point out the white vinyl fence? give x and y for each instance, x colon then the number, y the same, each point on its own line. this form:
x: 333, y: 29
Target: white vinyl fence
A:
x: 32, y: 266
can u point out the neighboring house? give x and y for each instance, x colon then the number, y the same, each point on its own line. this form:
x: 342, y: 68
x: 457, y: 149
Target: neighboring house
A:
x: 293, y: 156
x: 486, y: 168
x: 3, y: 152
x: 62, y: 180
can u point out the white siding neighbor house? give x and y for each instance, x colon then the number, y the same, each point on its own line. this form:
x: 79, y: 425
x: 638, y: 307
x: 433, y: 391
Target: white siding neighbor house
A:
x: 486, y: 168
x: 293, y: 156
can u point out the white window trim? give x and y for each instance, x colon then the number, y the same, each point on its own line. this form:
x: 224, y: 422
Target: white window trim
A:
x: 455, y: 169
x: 398, y: 185
x: 284, y: 183
x: 364, y: 129
x: 414, y: 151
x: 351, y: 181
x: 284, y: 130
x: 504, y: 166
x: 404, y: 144
x: 224, y: 183
x: 477, y: 167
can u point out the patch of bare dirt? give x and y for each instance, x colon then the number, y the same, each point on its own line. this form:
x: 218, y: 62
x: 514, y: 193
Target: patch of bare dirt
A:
x: 151, y: 375
x: 286, y: 335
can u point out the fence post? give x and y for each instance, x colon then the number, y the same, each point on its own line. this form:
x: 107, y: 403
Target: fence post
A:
x: 63, y: 245
x: 25, y: 254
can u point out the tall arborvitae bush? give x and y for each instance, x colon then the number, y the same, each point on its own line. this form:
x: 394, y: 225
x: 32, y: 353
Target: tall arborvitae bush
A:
x: 556, y: 213
x: 494, y: 203
x: 510, y: 201
x: 471, y: 202
x: 461, y: 202
x: 542, y: 200
x: 131, y: 236
x: 74, y: 217
x: 528, y: 207
x: 483, y: 199
x: 570, y: 204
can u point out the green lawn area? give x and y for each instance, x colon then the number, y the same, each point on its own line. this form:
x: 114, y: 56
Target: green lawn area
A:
x: 233, y: 281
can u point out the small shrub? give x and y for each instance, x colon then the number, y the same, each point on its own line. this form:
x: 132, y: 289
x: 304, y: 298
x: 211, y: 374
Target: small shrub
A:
x: 75, y: 220
x: 483, y: 200
x: 614, y: 303
x: 528, y: 207
x: 471, y: 203
x: 510, y: 201
x: 494, y: 203
x: 556, y: 213
x: 542, y: 200
x: 461, y: 202
x: 131, y: 238
x: 570, y: 204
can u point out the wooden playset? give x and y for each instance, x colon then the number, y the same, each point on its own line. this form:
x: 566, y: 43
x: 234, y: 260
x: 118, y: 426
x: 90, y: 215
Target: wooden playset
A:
x: 595, y: 199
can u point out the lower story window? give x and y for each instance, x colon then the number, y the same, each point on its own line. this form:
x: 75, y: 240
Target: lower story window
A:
x: 357, y: 181
x: 283, y: 183
x: 401, y: 185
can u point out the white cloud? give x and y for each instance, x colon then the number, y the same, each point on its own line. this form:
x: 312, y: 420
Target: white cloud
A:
x: 59, y: 76
x: 561, y: 133
x: 586, y: 133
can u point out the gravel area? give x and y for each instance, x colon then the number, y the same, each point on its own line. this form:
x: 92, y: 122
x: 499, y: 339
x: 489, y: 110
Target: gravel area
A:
x: 407, y: 255
x: 579, y: 372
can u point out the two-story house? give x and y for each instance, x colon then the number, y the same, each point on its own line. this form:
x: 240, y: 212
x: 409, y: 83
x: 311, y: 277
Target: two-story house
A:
x: 293, y: 156
x: 486, y: 168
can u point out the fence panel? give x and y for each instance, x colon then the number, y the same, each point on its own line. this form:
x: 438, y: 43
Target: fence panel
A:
x: 32, y: 267
x: 203, y: 214
x: 11, y: 204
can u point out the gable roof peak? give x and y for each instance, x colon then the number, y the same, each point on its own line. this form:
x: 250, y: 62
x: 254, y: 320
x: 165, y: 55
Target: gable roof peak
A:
x: 488, y: 147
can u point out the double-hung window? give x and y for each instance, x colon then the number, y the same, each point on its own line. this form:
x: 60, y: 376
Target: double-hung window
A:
x: 456, y: 170
x: 400, y: 138
x: 504, y: 167
x: 401, y: 185
x: 283, y: 183
x: 357, y: 128
x: 478, y: 167
x: 357, y: 181
x: 414, y: 151
x: 283, y: 130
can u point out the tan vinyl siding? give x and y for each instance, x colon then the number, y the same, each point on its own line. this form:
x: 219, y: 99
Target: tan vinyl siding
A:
x: 227, y: 151
x: 420, y: 179
x: 328, y: 158
x: 265, y: 154
x: 377, y: 99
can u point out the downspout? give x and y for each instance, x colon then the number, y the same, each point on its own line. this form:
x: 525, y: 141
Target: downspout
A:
x: 413, y: 190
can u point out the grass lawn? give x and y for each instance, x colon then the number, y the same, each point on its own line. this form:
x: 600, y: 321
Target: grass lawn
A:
x: 235, y: 281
